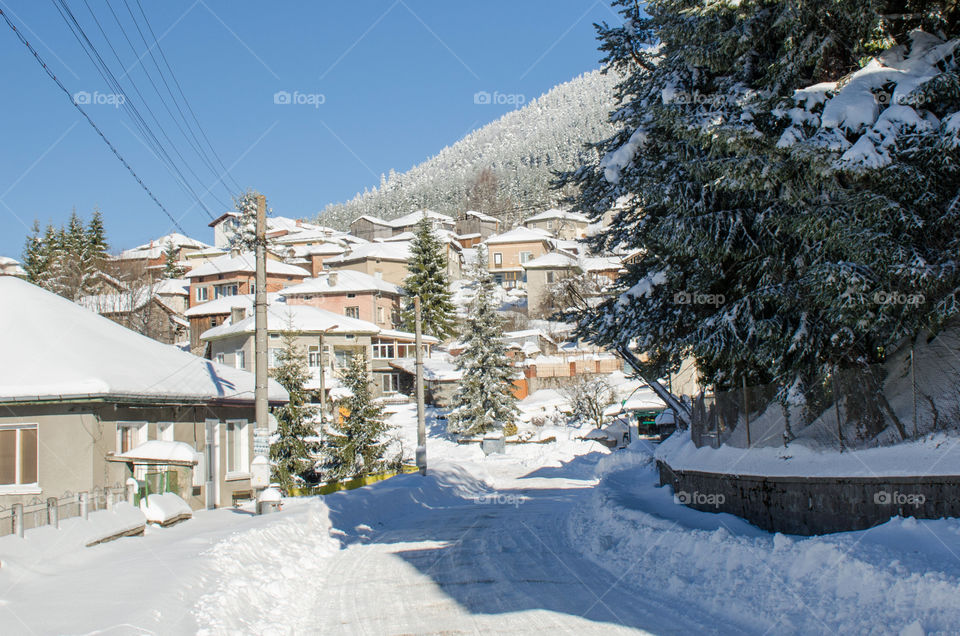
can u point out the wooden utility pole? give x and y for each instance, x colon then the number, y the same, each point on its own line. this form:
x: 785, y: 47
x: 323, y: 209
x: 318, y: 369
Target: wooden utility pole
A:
x: 421, y: 419
x: 260, y: 320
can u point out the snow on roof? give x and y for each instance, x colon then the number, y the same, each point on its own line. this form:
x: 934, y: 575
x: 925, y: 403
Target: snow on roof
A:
x: 550, y: 261
x: 526, y: 333
x: 340, y: 282
x: 481, y: 216
x: 55, y: 349
x: 434, y: 369
x: 520, y: 235
x: 376, y: 220
x: 601, y: 263
x: 386, y: 251
x: 246, y: 262
x: 300, y: 318
x: 172, y: 286
x: 414, y: 217
x: 406, y: 335
x: 6, y: 260
x: 162, y: 451
x: 402, y: 236
x: 154, y: 248
x: 226, y: 304
x: 554, y: 213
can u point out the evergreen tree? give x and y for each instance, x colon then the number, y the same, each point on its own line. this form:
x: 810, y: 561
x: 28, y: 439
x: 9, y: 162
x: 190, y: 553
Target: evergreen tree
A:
x: 484, y: 399
x: 97, y: 240
x: 292, y: 450
x: 171, y: 266
x: 36, y: 259
x: 245, y: 236
x: 428, y: 280
x: 356, y: 441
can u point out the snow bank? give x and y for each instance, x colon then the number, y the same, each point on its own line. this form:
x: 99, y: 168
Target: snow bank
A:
x: 856, y: 582
x: 265, y: 577
x: 165, y: 508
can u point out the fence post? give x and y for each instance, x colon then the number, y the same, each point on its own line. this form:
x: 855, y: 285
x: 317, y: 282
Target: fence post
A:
x: 18, y: 519
x: 84, y: 505
x: 53, y: 512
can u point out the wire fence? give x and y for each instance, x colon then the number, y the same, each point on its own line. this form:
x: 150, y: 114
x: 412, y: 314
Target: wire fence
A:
x: 50, y: 511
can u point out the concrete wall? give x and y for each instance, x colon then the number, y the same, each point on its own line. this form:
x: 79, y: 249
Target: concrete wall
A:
x: 367, y: 302
x: 815, y: 505
x: 561, y: 228
x: 390, y: 271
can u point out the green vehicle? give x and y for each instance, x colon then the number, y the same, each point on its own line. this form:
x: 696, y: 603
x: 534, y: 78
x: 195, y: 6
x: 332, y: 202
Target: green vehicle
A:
x: 648, y: 426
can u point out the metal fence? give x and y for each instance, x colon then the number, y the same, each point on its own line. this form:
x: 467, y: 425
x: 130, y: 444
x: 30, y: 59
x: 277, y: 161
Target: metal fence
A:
x: 38, y: 512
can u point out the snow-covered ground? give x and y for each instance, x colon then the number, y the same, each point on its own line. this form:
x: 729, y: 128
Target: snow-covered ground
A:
x: 564, y: 537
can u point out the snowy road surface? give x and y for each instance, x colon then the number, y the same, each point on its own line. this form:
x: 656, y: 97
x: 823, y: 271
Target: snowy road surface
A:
x: 523, y: 544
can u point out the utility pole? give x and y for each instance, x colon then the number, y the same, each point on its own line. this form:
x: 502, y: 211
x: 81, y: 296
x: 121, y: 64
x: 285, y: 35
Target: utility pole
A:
x: 421, y: 421
x: 323, y: 370
x: 260, y: 320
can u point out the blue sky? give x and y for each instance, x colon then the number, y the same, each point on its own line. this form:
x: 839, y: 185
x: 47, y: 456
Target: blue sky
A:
x: 396, y: 79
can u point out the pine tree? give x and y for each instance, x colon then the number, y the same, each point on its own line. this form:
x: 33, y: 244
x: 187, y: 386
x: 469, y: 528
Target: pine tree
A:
x: 171, y: 266
x: 356, y: 442
x: 245, y: 236
x: 294, y: 449
x: 484, y: 399
x: 97, y: 240
x: 36, y: 260
x: 428, y: 280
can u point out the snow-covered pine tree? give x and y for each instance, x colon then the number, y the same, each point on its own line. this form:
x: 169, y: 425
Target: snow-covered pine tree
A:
x: 36, y: 256
x: 355, y: 443
x: 759, y: 257
x: 294, y: 448
x: 97, y: 243
x: 428, y: 279
x: 72, y: 267
x: 171, y: 266
x: 484, y: 399
x: 245, y: 236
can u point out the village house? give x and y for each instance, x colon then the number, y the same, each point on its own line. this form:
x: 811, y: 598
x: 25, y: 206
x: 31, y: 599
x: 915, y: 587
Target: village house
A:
x: 508, y: 252
x: 387, y: 261
x: 542, y: 274
x: 78, y: 390
x: 10, y: 267
x: 372, y: 228
x: 143, y: 310
x: 474, y: 227
x: 559, y: 223
x: 339, y: 337
x: 235, y: 275
x: 215, y: 312
x: 152, y: 256
x: 452, y: 249
x: 349, y: 293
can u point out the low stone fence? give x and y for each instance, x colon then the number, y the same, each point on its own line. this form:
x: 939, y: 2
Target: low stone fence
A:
x: 815, y: 505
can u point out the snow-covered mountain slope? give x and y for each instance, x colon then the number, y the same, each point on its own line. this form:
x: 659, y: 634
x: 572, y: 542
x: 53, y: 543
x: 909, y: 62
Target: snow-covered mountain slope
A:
x: 521, y: 149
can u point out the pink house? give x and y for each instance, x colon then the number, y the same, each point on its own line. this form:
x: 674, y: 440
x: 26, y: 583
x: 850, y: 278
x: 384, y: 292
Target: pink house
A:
x: 349, y: 293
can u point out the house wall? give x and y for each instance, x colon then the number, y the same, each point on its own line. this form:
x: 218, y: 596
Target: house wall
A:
x: 367, y: 302
x: 365, y: 229
x: 390, y: 271
x: 74, y: 441
x: 243, y: 280
x: 510, y: 253
x: 538, y: 287
x: 560, y: 228
x: 473, y: 225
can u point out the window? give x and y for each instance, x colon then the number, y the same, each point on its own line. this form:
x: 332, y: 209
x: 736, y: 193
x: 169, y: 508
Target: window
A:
x: 549, y: 225
x: 342, y: 357
x: 213, y: 321
x: 230, y: 289
x: 18, y: 454
x: 352, y: 312
x: 351, y: 295
x: 130, y: 435
x: 253, y: 287
x: 391, y: 382
x: 240, y: 359
x: 236, y: 451
x: 526, y: 257
x: 219, y: 358
x: 549, y: 277
x: 165, y: 431
x: 203, y: 294
x: 497, y: 259
x: 313, y: 356
x: 381, y: 315
x: 272, y: 357
x: 383, y: 349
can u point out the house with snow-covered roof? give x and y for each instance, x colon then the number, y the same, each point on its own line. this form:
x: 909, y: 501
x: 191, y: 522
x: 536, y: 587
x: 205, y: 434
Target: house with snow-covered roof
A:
x: 385, y: 260
x: 234, y: 274
x: 508, y: 252
x: 79, y: 390
x: 148, y: 309
x: 349, y: 293
x: 473, y: 227
x: 153, y: 255
x: 330, y: 340
x: 559, y: 223
x: 11, y: 267
x: 545, y: 272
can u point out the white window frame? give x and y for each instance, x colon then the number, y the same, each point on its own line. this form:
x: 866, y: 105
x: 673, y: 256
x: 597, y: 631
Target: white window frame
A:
x: 381, y: 314
x: 526, y: 257
x: 141, y: 434
x: 355, y: 310
x: 203, y: 294
x: 394, y: 382
x: 219, y: 358
x: 240, y: 359
x: 497, y: 259
x: 18, y: 487
x: 241, y: 469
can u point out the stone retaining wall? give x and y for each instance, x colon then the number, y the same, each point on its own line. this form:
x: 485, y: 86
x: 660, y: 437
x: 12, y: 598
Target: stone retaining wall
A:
x: 815, y: 505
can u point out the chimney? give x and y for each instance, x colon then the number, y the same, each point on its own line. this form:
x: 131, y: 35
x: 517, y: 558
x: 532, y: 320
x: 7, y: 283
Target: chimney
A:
x: 299, y: 223
x: 332, y: 279
x: 237, y: 314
